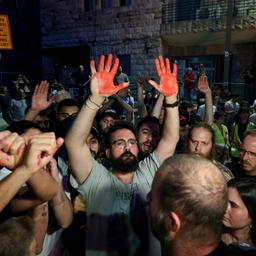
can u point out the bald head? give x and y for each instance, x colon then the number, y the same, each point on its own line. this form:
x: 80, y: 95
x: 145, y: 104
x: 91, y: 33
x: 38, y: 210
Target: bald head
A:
x: 195, y: 190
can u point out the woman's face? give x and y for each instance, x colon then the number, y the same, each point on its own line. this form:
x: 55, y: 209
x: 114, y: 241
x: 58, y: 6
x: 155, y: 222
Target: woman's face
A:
x: 236, y: 216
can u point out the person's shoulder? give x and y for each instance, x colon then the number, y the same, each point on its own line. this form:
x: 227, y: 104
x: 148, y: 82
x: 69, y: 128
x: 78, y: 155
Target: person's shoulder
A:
x: 234, y: 249
x: 227, y: 173
x: 241, y: 249
x: 231, y: 165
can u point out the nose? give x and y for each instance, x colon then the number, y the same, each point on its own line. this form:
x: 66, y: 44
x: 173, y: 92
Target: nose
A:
x: 149, y: 137
x: 228, y: 208
x: 127, y: 146
x: 244, y: 155
x: 197, y: 147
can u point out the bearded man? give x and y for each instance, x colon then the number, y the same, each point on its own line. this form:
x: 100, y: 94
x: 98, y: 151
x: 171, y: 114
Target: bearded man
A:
x: 117, y: 220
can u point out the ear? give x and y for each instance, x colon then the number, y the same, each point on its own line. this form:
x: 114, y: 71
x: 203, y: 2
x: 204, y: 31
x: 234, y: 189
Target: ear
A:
x: 107, y: 151
x: 174, y: 224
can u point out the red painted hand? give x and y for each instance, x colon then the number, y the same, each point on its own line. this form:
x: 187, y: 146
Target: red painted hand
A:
x: 168, y: 80
x: 40, y: 151
x: 102, y: 80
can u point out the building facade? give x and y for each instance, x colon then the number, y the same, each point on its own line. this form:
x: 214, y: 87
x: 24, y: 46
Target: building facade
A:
x: 25, y: 58
x: 137, y: 31
x: 129, y: 29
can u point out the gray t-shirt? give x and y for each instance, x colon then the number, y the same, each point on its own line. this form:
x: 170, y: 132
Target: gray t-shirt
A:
x: 117, y: 219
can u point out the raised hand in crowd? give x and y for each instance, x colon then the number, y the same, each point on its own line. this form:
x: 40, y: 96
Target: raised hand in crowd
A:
x: 40, y: 100
x: 203, y: 86
x: 102, y: 86
x: 102, y: 80
x: 168, y: 79
x: 168, y: 86
x: 40, y: 150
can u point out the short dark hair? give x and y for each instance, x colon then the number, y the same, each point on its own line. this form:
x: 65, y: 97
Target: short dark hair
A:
x: 246, y: 188
x: 22, y: 126
x: 148, y: 119
x: 117, y: 126
x: 67, y: 103
x: 195, y: 189
x: 95, y: 133
x: 108, y: 112
x: 16, y: 236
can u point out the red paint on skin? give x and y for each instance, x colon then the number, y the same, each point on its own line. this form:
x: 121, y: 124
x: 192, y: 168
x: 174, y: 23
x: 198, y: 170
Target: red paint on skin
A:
x: 168, y: 80
x: 4, y: 160
x: 105, y: 76
x: 105, y: 83
x: 54, y: 151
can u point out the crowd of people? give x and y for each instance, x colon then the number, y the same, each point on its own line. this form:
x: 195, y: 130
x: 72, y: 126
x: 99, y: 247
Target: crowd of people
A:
x: 94, y: 178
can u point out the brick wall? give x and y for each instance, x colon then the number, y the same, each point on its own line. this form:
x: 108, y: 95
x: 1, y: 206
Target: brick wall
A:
x: 130, y: 30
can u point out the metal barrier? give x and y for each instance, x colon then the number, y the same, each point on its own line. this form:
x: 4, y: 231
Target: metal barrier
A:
x: 183, y: 10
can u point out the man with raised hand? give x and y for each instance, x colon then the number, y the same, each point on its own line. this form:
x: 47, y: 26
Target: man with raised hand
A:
x: 116, y: 201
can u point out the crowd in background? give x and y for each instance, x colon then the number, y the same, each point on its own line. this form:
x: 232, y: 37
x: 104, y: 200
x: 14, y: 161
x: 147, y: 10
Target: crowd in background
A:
x: 89, y: 193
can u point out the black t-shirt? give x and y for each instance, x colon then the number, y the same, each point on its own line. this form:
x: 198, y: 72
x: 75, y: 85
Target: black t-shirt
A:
x: 234, y: 249
x: 238, y: 171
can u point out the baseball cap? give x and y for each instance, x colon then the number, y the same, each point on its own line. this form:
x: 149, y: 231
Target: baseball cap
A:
x: 109, y: 112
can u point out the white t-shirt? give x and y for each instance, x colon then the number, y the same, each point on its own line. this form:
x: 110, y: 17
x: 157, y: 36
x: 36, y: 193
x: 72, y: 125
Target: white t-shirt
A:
x: 201, y: 111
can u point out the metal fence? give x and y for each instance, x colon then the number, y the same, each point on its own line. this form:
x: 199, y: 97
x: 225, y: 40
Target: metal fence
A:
x: 182, y: 10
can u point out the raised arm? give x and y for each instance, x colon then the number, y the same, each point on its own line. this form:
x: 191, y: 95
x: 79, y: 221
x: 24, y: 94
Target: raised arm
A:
x: 169, y: 88
x: 156, y: 111
x: 102, y: 86
x: 203, y: 86
x: 61, y: 204
x: 142, y: 110
x: 36, y: 155
x: 40, y: 101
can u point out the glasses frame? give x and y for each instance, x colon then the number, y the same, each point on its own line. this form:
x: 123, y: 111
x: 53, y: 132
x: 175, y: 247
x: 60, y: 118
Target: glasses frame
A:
x: 250, y: 154
x: 123, y: 143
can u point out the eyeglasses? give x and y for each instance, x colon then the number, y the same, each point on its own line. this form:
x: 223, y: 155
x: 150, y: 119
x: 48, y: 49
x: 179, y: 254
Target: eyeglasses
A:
x: 121, y: 143
x: 249, y: 153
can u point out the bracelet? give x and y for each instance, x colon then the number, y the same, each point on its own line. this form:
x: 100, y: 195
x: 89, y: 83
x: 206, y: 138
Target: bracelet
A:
x: 172, y: 105
x: 99, y: 106
x: 88, y: 104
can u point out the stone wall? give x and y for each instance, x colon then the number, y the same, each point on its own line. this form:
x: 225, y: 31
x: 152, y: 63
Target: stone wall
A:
x: 131, y: 30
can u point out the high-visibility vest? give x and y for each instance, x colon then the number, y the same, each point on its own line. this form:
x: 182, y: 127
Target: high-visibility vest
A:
x: 221, y: 139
